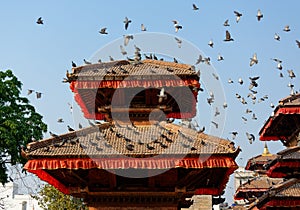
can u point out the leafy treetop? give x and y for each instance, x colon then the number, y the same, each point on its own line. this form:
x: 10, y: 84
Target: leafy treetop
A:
x: 19, y: 123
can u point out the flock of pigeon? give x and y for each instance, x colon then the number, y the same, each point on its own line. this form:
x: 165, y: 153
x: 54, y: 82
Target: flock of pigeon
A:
x: 253, y: 81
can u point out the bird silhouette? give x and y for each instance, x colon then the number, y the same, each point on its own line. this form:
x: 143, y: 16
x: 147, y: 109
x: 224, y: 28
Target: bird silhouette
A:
x: 29, y: 91
x: 127, y: 39
x: 226, y: 23
x: 298, y: 43
x: 253, y: 60
x: 176, y: 25
x: 251, y: 137
x: 228, y: 37
x: 195, y: 7
x: 287, y: 28
x: 211, y: 43
x: 277, y: 37
x: 162, y: 96
x: 126, y: 22
x: 103, y: 31
x: 291, y: 74
x: 143, y: 28
x: 40, y: 21
x: 179, y: 42
x: 70, y: 129
x: 38, y: 95
x: 259, y: 15
x: 238, y: 16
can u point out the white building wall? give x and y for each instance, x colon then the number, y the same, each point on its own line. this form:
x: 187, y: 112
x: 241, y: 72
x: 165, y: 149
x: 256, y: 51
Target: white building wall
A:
x: 11, y: 200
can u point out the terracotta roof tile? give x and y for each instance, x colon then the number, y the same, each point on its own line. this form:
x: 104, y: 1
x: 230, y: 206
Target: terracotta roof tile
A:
x: 293, y: 100
x: 145, y: 140
x: 123, y: 68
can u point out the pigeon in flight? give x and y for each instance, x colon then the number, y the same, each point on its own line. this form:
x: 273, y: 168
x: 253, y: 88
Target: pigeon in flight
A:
x: 220, y: 57
x: 127, y: 38
x: 176, y: 25
x: 250, y: 137
x: 253, y: 60
x: 298, y: 43
x: 259, y: 15
x: 238, y: 16
x: 38, y: 95
x: 291, y: 74
x: 277, y: 37
x: 228, y: 37
x: 195, y: 7
x: 211, y: 43
x: 29, y: 91
x: 179, y: 42
x: 234, y: 134
x: 126, y: 22
x: 161, y: 95
x: 103, y: 31
x: 226, y: 23
x: 287, y: 28
x: 40, y: 21
x: 143, y: 28
x: 123, y: 52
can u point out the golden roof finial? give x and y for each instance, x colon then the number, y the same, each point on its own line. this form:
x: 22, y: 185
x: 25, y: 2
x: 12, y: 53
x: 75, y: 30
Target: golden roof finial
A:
x: 266, y: 151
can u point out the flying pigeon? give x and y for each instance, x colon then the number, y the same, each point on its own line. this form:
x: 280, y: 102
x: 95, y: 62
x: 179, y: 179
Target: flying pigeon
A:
x: 143, y: 28
x: 176, y: 25
x: 259, y: 15
x: 179, y: 42
x: 287, y: 28
x: 103, y: 31
x: 211, y: 43
x: 253, y: 60
x: 226, y: 23
x: 127, y: 38
x: 220, y: 57
x: 238, y: 16
x: 277, y: 37
x: 123, y: 52
x: 161, y: 95
x: 291, y: 74
x: 195, y: 7
x: 250, y: 137
x: 298, y: 43
x: 40, y: 21
x: 126, y: 22
x: 228, y: 37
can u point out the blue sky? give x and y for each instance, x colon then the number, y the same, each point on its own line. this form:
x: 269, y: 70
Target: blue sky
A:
x: 40, y: 54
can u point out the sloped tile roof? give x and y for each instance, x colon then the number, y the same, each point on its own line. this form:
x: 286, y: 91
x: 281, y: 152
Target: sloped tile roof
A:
x: 142, y: 140
x: 123, y: 68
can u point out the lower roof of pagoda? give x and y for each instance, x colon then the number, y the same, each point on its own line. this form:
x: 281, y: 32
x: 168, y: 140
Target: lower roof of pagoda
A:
x: 254, y: 186
x: 160, y: 139
x: 284, y: 122
x: 286, y: 164
x: 283, y: 194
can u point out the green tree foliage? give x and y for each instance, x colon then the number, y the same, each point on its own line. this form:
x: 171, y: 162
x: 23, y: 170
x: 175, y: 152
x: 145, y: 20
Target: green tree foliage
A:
x: 19, y: 123
x: 52, y: 199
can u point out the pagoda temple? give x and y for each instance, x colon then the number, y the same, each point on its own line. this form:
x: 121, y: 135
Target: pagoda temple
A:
x: 283, y: 125
x: 136, y: 157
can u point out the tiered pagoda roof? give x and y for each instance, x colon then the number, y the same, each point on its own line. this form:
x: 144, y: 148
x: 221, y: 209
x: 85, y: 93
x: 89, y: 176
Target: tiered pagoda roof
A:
x: 286, y: 164
x: 103, y: 88
x: 284, y: 195
x: 110, y: 146
x: 284, y: 124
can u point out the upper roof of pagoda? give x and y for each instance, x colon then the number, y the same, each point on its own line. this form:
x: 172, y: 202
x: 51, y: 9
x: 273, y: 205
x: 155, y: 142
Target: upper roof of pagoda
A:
x: 137, y: 89
x: 284, y: 122
x: 141, y: 141
x: 259, y: 162
x: 123, y: 69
